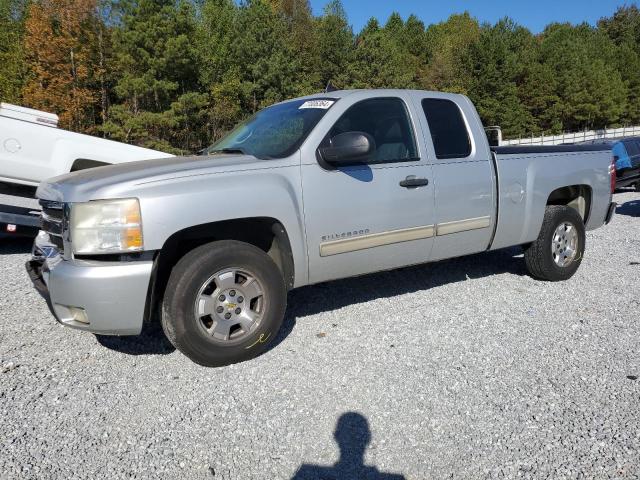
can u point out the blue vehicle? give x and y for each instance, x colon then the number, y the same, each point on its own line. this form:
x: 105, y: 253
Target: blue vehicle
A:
x: 626, y: 154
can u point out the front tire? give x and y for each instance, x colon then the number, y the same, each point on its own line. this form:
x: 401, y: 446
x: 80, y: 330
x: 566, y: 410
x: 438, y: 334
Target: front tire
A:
x: 558, y: 251
x: 224, y: 303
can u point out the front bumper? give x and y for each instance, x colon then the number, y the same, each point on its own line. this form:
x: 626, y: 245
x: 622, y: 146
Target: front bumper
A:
x: 112, y: 294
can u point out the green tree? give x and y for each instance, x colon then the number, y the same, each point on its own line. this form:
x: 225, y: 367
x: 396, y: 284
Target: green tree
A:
x: 334, y: 46
x: 156, y: 63
x: 263, y: 57
x: 216, y: 32
x: 302, y: 38
x: 414, y: 39
x: 379, y: 62
x: 538, y: 92
x: 623, y: 28
x: 591, y: 91
x: 12, y: 74
x: 497, y: 60
x: 447, y: 47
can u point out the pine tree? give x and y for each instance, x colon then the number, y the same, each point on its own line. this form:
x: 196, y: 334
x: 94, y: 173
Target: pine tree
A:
x: 263, y: 57
x: 216, y: 32
x: 591, y: 91
x: 379, y: 62
x: 302, y: 37
x: 334, y: 46
x: 623, y: 28
x: 497, y: 68
x: 155, y: 58
x: 447, y: 47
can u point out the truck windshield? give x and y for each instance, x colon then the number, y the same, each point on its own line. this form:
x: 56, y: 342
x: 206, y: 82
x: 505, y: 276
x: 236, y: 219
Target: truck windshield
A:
x: 276, y: 131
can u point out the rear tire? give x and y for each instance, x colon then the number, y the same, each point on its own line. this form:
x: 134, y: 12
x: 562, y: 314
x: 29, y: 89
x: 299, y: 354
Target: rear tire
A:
x: 224, y: 303
x: 557, y: 252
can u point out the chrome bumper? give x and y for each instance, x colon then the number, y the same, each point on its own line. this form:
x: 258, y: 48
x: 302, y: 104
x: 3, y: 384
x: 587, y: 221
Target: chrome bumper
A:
x: 112, y: 295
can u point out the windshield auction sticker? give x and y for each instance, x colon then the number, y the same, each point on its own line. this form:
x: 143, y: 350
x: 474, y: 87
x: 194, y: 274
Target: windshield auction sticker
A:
x: 323, y: 104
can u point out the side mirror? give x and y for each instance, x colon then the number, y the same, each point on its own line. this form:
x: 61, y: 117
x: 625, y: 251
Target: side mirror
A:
x: 348, y: 147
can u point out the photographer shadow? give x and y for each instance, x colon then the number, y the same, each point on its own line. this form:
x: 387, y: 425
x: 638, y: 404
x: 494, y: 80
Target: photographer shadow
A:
x: 352, y: 434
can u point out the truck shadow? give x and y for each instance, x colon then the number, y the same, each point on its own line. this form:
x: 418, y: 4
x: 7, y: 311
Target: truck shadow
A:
x: 631, y: 209
x: 151, y: 341
x: 334, y: 295
x: 329, y: 296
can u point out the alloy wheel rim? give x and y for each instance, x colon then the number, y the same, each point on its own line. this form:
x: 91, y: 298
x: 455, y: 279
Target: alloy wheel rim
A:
x: 564, y: 244
x: 230, y: 305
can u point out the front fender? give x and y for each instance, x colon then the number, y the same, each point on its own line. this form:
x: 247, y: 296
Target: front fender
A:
x: 174, y: 205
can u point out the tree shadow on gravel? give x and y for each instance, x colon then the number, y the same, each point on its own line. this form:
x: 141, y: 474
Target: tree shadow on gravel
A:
x: 631, y: 209
x: 152, y: 341
x: 334, y: 295
x: 15, y: 245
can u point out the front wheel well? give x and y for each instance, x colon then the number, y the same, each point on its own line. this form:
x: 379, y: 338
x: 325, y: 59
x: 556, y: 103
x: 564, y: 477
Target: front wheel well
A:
x: 577, y: 197
x: 266, y: 233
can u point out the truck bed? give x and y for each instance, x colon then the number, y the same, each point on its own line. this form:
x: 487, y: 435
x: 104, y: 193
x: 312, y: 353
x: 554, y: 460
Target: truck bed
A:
x: 528, y: 176
x: 526, y: 149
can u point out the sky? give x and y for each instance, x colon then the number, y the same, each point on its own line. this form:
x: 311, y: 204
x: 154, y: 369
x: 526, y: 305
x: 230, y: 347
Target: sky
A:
x: 534, y: 15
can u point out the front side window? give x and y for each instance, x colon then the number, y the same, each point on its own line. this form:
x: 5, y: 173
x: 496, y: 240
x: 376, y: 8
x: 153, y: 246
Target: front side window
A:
x: 448, y: 130
x: 387, y: 122
x: 276, y: 131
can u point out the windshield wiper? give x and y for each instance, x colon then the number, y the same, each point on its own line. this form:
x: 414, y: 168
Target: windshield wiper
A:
x: 228, y: 150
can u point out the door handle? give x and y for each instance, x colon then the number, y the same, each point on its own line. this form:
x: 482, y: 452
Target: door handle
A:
x: 412, y: 182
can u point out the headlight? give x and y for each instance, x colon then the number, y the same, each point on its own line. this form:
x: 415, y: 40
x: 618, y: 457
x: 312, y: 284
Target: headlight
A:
x: 106, y: 226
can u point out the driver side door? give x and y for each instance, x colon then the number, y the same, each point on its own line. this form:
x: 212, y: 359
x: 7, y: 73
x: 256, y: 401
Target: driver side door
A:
x: 367, y: 217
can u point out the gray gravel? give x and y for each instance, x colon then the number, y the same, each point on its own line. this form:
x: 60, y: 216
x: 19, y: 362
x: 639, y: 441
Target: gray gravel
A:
x: 462, y: 369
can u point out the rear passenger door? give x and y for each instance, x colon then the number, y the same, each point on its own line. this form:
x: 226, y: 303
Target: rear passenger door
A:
x: 463, y: 175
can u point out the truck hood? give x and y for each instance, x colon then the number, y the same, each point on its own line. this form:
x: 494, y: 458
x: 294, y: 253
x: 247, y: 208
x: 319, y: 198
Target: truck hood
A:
x: 98, y: 182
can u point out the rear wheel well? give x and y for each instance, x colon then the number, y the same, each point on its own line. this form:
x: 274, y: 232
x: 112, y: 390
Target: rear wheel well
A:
x: 268, y: 234
x: 577, y: 197
x: 84, y: 163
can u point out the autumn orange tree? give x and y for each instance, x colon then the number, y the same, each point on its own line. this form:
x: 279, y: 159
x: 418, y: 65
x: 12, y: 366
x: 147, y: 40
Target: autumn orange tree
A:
x: 60, y: 36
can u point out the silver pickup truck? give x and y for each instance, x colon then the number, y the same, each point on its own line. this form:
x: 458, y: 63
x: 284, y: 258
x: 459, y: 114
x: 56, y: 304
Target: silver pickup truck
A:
x: 305, y: 191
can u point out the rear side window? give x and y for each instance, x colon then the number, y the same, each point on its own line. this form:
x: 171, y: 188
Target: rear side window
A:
x: 448, y: 130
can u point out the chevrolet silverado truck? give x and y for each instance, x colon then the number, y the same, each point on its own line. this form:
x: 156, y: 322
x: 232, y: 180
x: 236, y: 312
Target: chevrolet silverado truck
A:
x: 33, y: 148
x: 308, y: 190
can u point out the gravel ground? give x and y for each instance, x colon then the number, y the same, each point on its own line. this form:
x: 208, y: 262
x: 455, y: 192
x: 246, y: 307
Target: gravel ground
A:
x: 462, y: 369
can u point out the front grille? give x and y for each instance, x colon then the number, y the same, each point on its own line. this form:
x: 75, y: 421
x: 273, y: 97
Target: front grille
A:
x: 53, y: 222
x: 52, y: 210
